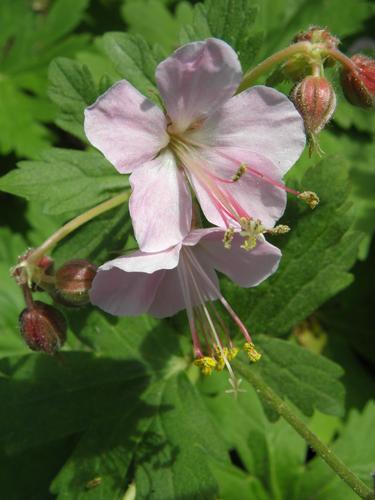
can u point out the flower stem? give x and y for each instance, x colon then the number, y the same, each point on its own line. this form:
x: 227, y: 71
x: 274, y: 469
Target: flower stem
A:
x: 266, y: 65
x: 75, y: 223
x: 342, y: 59
x: 277, y: 404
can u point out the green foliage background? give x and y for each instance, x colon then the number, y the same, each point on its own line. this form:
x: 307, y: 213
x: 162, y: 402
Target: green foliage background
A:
x: 121, y: 413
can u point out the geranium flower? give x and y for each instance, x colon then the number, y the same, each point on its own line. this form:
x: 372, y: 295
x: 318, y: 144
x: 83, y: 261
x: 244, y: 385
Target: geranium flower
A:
x: 184, y: 277
x: 232, y: 150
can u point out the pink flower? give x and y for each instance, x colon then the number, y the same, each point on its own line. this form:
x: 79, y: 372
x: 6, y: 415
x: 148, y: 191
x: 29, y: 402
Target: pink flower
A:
x: 184, y: 277
x: 232, y: 150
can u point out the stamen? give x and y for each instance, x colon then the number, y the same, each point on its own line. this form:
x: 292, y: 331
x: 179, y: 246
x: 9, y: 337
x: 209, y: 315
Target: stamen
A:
x: 195, y: 263
x: 309, y: 197
x: 219, y: 357
x: 241, y: 170
x: 250, y: 350
x: 280, y: 229
x: 206, y: 364
x: 228, y: 238
x: 232, y: 353
x: 189, y: 308
x: 251, y: 230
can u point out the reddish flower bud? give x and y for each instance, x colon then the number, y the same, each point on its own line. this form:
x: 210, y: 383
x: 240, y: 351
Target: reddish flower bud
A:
x: 35, y: 272
x: 315, y: 34
x: 43, y: 327
x: 359, y: 86
x: 73, y: 282
x: 315, y: 99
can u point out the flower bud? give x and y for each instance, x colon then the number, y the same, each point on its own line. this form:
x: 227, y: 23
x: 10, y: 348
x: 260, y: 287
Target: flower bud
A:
x: 315, y: 34
x: 359, y: 86
x: 73, y: 282
x: 43, y: 327
x: 315, y: 99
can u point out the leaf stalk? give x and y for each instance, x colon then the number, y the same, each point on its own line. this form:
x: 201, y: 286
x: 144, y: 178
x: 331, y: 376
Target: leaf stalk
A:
x: 75, y: 223
x: 326, y: 453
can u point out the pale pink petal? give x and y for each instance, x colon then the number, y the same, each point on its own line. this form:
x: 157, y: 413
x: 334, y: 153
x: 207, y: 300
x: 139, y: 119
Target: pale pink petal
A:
x: 160, y: 205
x: 127, y: 286
x: 126, y: 127
x: 246, y: 268
x: 124, y: 294
x: 261, y: 120
x: 256, y: 196
x: 196, y: 79
x: 169, y: 298
x: 195, y: 235
x: 141, y: 262
x: 203, y: 283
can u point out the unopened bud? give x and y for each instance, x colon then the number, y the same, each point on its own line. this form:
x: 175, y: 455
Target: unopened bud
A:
x: 359, y: 86
x: 315, y: 99
x: 73, y: 281
x: 315, y: 34
x: 43, y: 327
x: 32, y: 274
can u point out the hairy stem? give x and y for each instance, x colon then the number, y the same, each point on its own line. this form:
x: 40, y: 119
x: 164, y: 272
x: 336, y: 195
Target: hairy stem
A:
x: 342, y: 59
x: 75, y: 223
x: 263, y: 67
x: 277, y: 404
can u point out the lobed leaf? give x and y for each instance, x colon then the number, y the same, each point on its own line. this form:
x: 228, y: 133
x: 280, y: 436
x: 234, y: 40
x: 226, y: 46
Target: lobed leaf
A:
x: 230, y: 20
x: 72, y: 89
x: 308, y: 380
x: 65, y: 181
x: 29, y: 40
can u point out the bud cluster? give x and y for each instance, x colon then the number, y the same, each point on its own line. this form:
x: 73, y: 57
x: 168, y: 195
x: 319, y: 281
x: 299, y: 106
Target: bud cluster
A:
x: 43, y: 326
x: 313, y: 94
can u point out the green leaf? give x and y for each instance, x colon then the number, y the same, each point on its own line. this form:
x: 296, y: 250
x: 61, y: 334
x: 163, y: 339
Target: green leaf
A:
x: 269, y: 454
x: 133, y: 59
x: 153, y: 20
x: 39, y: 466
x: 182, y: 438
x: 101, y: 239
x: 72, y: 89
x: 20, y: 130
x: 306, y: 379
x: 348, y: 116
x: 65, y: 181
x: 230, y: 20
x: 348, y: 314
x: 355, y: 447
x: 358, y: 151
x: 63, y: 398
x: 317, y: 254
x: 29, y: 40
x: 11, y: 301
x: 136, y: 411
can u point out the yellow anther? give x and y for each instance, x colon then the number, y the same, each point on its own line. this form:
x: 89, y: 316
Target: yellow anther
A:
x: 206, y: 364
x: 228, y: 238
x: 242, y: 169
x: 250, y: 350
x: 309, y: 197
x: 232, y: 353
x: 251, y: 230
x: 220, y: 355
x: 280, y: 229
